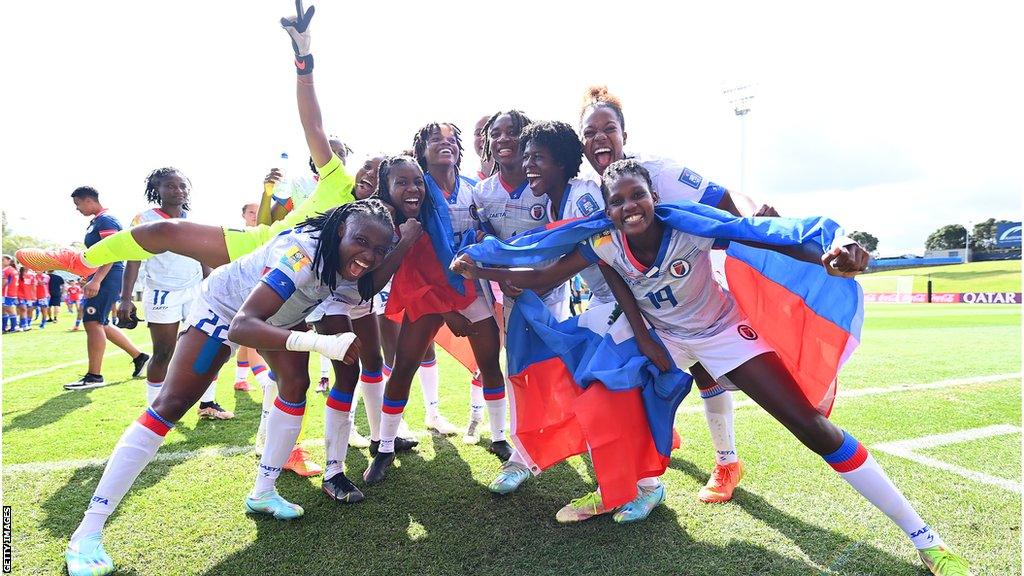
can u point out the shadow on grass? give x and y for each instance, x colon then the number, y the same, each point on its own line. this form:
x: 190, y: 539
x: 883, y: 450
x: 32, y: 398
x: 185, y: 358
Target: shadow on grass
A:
x: 55, y: 408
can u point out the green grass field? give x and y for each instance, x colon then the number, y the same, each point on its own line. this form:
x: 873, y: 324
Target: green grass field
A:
x: 922, y: 370
x: 999, y: 276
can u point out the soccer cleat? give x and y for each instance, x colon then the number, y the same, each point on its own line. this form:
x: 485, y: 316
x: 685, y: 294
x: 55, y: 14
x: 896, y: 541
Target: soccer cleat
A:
x: 86, y: 382
x: 75, y: 329
x: 270, y: 502
x: 87, y: 557
x: 378, y: 468
x: 581, y: 509
x: 723, y: 481
x: 213, y: 411
x: 324, y: 385
x: 512, y: 476
x: 300, y: 462
x: 441, y: 425
x: 242, y: 386
x: 640, y: 507
x: 139, y: 362
x: 942, y: 561
x: 357, y: 440
x: 401, y: 445
x: 501, y: 449
x: 472, y: 435
x: 340, y: 488
x: 67, y: 259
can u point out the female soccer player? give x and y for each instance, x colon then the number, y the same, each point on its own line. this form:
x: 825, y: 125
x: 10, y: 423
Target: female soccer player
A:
x: 10, y: 277
x: 343, y: 251
x: 423, y: 293
x: 661, y: 274
x: 26, y: 297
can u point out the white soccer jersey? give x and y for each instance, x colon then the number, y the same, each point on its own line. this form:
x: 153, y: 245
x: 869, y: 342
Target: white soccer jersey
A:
x: 506, y: 211
x: 460, y: 207
x: 168, y: 271
x: 285, y: 264
x: 673, y: 181
x: 584, y: 198
x: 677, y: 293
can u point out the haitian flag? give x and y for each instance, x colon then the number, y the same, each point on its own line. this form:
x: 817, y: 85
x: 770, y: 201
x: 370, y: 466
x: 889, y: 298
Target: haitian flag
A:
x: 583, y: 384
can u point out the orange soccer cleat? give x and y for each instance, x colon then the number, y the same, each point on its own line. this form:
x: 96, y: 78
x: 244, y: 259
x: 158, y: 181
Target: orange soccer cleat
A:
x: 723, y: 481
x: 300, y: 462
x: 67, y: 259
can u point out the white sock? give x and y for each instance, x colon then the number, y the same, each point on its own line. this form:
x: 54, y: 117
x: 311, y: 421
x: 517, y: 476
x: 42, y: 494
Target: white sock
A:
x: 496, y: 408
x: 355, y: 406
x: 476, y: 398
x: 372, y: 384
x: 718, y: 413
x: 152, y: 391
x: 262, y: 375
x: 428, y: 382
x: 390, y: 418
x: 211, y: 392
x: 269, y: 394
x: 241, y: 371
x: 136, y: 448
x: 337, y: 426
x: 648, y: 483
x: 860, y: 469
x: 325, y: 366
x: 283, y: 427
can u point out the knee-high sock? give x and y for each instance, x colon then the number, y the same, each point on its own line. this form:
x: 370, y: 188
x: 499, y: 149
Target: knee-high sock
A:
x: 372, y: 384
x: 325, y: 366
x: 135, y: 449
x: 718, y: 412
x: 152, y: 391
x: 355, y: 406
x: 428, y: 382
x: 495, y: 400
x: 262, y: 375
x: 282, y: 430
x: 860, y: 469
x: 114, y: 248
x: 269, y: 395
x: 476, y: 398
x: 241, y: 371
x: 390, y: 418
x: 337, y: 426
x: 211, y: 392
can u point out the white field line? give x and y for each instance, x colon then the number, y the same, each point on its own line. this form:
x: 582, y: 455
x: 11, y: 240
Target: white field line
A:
x: 906, y: 449
x: 42, y: 467
x: 856, y: 393
x: 113, y: 352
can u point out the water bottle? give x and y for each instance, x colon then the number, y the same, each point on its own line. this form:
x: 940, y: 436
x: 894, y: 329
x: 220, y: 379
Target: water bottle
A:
x: 283, y: 187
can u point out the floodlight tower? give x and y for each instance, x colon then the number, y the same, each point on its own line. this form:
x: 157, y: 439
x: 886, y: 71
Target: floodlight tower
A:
x: 739, y: 97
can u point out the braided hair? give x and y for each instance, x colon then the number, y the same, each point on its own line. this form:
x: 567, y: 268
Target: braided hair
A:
x: 327, y: 257
x: 625, y: 167
x: 560, y: 139
x: 419, y: 143
x: 519, y: 122
x: 384, y: 187
x: 599, y: 97
x: 153, y: 184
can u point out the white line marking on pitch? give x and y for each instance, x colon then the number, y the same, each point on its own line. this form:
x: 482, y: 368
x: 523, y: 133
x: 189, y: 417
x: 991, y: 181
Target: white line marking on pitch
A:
x: 858, y: 392
x: 906, y: 449
x: 236, y: 450
x: 61, y: 367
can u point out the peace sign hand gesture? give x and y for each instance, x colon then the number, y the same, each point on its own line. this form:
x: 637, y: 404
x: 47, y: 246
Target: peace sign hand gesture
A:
x: 298, y: 29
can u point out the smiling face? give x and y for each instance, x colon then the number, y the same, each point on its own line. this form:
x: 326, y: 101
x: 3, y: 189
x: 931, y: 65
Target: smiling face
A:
x: 504, y: 142
x: 542, y: 172
x: 630, y: 204
x: 363, y: 243
x: 173, y: 190
x: 407, y: 188
x: 366, y: 178
x: 442, y: 148
x: 602, y: 137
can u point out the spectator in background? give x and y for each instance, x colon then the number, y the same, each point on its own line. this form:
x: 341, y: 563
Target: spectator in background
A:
x: 56, y: 294
x: 249, y: 212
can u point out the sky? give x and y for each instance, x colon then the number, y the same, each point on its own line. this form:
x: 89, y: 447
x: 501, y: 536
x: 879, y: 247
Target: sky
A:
x: 891, y: 118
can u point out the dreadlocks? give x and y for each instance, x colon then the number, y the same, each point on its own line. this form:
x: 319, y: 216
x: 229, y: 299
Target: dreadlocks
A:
x: 519, y: 122
x: 560, y: 139
x: 153, y: 184
x: 327, y: 258
x: 384, y: 188
x: 625, y: 167
x: 599, y: 97
x: 419, y: 142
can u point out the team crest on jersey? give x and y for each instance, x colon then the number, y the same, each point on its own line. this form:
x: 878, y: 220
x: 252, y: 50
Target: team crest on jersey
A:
x: 473, y: 212
x: 679, y: 268
x: 537, y: 211
x: 586, y: 204
x: 746, y: 332
x: 295, y: 259
x: 603, y: 238
x: 690, y: 178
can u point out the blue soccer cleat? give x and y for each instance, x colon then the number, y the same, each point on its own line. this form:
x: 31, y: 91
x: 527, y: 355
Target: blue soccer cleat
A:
x: 270, y: 502
x: 640, y: 507
x: 88, y: 558
x: 512, y: 476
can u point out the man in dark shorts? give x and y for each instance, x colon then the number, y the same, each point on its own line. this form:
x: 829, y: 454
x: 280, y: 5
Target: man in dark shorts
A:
x: 56, y: 293
x: 101, y: 290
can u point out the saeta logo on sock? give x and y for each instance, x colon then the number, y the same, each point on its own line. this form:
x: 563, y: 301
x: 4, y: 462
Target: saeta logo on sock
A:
x: 99, y: 500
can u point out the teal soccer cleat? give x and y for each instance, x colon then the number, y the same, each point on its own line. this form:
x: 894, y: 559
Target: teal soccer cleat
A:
x: 270, y: 502
x: 88, y: 558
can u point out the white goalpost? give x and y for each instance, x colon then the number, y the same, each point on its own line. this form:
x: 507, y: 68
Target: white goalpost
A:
x: 888, y: 289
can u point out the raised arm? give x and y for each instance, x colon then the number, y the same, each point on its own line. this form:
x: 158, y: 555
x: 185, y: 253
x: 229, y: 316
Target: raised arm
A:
x: 309, y: 107
x: 846, y: 260
x: 539, y: 279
